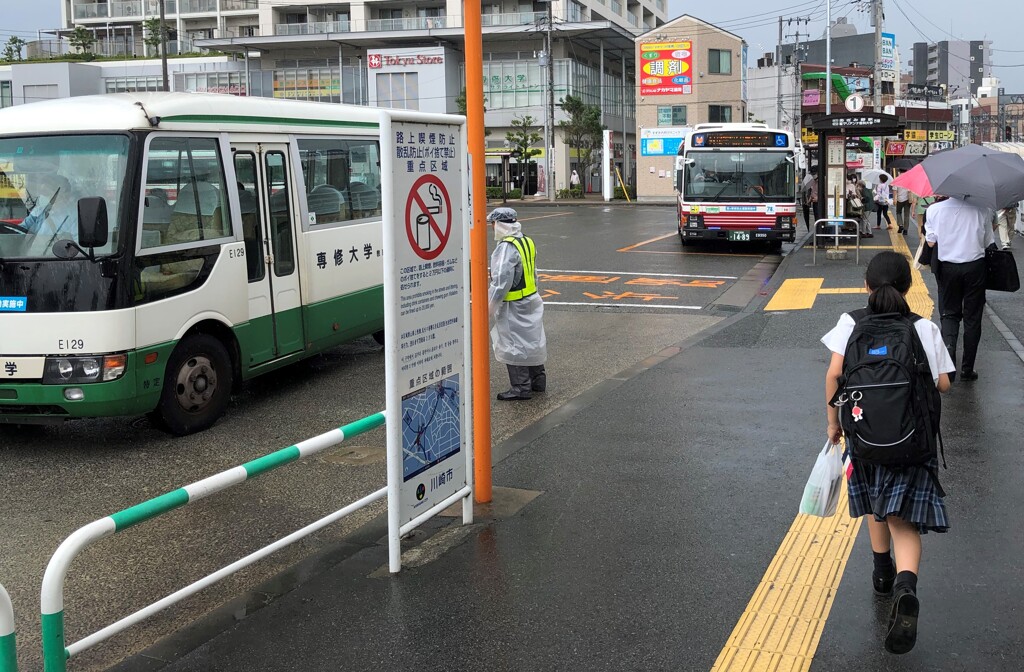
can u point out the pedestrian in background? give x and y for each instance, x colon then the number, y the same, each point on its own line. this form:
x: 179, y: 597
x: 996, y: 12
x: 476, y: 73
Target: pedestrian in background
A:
x: 883, y: 197
x: 809, y: 197
x: 855, y: 205
x: 865, y: 208
x: 515, y: 308
x: 1005, y: 224
x: 867, y: 197
x: 960, y: 231
x: 900, y: 503
x: 902, y: 209
x: 920, y: 208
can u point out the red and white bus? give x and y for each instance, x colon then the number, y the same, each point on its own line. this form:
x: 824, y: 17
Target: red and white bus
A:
x: 737, y: 182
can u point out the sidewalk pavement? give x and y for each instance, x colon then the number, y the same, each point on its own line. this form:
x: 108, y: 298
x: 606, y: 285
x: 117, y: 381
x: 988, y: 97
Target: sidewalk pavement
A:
x: 650, y: 524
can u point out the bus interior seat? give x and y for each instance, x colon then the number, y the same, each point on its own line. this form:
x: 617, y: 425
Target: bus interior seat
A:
x: 186, y: 224
x: 249, y: 208
x: 156, y: 217
x: 327, y: 203
x: 365, y: 199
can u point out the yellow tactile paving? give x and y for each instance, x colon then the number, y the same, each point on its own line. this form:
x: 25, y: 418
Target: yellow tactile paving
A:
x: 795, y: 294
x: 780, y: 629
x: 842, y: 290
x: 918, y: 298
x: 781, y: 626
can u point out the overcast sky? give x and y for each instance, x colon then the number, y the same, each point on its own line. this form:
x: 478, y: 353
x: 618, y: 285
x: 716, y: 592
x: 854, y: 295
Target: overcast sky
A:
x: 757, y: 22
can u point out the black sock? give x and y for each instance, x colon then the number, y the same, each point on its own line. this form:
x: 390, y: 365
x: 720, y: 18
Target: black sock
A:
x: 908, y: 579
x: 883, y: 562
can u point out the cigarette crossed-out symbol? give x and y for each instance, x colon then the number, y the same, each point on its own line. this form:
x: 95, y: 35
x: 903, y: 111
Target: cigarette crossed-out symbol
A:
x: 428, y: 217
x: 426, y: 225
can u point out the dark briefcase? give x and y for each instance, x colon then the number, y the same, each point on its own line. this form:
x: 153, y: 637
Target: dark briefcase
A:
x: 1001, y: 271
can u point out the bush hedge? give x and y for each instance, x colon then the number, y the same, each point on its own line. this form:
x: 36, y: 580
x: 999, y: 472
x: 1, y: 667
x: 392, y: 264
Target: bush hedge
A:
x: 620, y: 195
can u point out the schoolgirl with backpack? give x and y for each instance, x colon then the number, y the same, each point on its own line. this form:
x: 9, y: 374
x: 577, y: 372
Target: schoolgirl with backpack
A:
x: 882, y: 394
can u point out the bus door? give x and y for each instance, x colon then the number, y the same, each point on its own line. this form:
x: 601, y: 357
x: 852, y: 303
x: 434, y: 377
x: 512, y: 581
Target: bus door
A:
x: 269, y: 219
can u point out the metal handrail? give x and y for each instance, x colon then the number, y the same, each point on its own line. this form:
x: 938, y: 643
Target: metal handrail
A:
x: 836, y: 235
x: 55, y: 650
x: 8, y: 651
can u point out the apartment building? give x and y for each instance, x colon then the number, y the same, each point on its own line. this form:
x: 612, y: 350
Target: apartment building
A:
x: 401, y: 53
x: 689, y: 72
x: 959, y: 65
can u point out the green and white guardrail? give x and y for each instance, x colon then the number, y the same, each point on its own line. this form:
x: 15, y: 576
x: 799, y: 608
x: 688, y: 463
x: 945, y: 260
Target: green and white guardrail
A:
x: 55, y: 650
x: 8, y: 652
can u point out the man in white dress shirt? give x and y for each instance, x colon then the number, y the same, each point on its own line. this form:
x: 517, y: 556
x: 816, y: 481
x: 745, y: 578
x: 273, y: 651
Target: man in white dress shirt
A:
x: 960, y: 231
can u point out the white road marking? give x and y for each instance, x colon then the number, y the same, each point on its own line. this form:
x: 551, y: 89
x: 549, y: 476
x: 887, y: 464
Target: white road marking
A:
x: 619, y: 305
x: 646, y: 275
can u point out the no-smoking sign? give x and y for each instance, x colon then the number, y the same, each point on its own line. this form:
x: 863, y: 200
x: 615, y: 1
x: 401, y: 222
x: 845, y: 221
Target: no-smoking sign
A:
x: 428, y: 217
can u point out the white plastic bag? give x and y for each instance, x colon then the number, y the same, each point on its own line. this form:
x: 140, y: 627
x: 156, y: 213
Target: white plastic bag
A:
x: 821, y: 494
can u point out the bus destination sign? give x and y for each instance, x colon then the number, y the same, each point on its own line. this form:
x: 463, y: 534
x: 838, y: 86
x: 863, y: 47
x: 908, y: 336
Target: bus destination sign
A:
x: 734, y: 139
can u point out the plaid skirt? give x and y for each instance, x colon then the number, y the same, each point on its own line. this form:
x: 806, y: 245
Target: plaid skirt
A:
x: 909, y: 493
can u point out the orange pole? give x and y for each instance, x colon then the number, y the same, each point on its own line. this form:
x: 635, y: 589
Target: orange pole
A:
x: 478, y: 253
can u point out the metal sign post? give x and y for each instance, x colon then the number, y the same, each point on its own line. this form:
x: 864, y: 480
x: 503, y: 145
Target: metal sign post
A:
x: 426, y: 320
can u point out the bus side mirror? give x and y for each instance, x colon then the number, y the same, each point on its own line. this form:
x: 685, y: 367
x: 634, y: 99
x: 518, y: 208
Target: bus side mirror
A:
x: 93, y: 229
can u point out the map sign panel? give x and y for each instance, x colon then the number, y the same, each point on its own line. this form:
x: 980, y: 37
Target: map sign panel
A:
x: 431, y: 429
x: 424, y: 275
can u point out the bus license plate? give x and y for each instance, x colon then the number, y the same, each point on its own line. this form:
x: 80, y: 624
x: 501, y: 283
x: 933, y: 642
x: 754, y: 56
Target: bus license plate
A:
x: 739, y: 235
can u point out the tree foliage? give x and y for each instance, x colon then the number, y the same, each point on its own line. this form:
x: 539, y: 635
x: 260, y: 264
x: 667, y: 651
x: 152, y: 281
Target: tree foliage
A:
x: 154, y: 32
x: 463, y: 105
x: 522, y: 137
x: 583, y: 129
x: 82, y: 39
x: 12, y: 50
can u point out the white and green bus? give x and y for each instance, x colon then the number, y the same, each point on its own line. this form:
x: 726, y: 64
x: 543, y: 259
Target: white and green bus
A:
x: 158, y: 249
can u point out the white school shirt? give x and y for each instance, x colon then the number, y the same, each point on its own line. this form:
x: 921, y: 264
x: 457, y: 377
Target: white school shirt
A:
x: 939, y: 360
x: 961, y: 230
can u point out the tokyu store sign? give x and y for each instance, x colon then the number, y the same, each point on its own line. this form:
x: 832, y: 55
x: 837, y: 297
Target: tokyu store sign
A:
x: 426, y: 296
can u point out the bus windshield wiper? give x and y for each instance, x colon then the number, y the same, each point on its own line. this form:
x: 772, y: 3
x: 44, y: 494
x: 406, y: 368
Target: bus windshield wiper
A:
x: 721, y: 191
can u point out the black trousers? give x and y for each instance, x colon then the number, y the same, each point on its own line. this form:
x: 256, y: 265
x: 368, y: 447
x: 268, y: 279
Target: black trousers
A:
x: 525, y: 379
x: 882, y: 217
x: 962, y: 297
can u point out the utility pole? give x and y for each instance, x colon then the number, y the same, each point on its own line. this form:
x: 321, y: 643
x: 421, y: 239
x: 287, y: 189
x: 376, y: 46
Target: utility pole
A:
x: 828, y: 57
x: 778, y: 77
x: 797, y: 59
x: 876, y: 20
x: 549, y: 150
x: 163, y: 46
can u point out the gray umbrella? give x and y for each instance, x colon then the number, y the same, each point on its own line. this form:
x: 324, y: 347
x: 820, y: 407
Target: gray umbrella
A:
x: 978, y: 175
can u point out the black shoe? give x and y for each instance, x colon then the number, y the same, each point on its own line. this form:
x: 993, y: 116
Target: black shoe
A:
x: 539, y: 388
x: 968, y: 374
x: 882, y: 581
x: 902, y: 634
x: 540, y: 383
x: 512, y: 395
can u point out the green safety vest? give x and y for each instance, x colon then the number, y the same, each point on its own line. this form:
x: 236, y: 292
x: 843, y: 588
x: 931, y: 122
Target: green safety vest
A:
x: 527, y: 285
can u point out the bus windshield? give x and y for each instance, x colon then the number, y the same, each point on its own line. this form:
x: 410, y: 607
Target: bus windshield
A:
x: 41, y: 180
x: 739, y: 176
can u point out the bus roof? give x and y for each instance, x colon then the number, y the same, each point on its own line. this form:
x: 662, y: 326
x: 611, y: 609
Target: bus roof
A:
x: 184, y: 111
x: 733, y: 127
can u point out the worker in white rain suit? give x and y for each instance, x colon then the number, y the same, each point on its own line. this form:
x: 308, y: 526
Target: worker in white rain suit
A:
x: 515, y: 308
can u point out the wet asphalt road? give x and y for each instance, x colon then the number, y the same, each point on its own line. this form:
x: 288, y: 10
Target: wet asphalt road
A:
x: 662, y: 496
x: 55, y: 479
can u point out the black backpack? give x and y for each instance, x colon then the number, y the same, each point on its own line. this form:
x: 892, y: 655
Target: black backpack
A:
x: 888, y: 404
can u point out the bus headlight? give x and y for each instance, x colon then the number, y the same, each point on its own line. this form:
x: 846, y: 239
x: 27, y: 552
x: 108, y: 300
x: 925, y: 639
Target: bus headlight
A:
x: 785, y: 222
x: 694, y: 221
x: 90, y: 369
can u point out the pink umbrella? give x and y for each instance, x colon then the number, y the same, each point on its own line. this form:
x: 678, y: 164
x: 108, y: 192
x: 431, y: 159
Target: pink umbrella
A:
x: 915, y: 180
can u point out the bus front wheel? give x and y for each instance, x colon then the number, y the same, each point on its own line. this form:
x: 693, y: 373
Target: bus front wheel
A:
x: 197, y: 385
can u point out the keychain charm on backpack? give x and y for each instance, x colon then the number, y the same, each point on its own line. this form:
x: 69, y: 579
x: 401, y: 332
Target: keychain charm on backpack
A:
x: 857, y: 412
